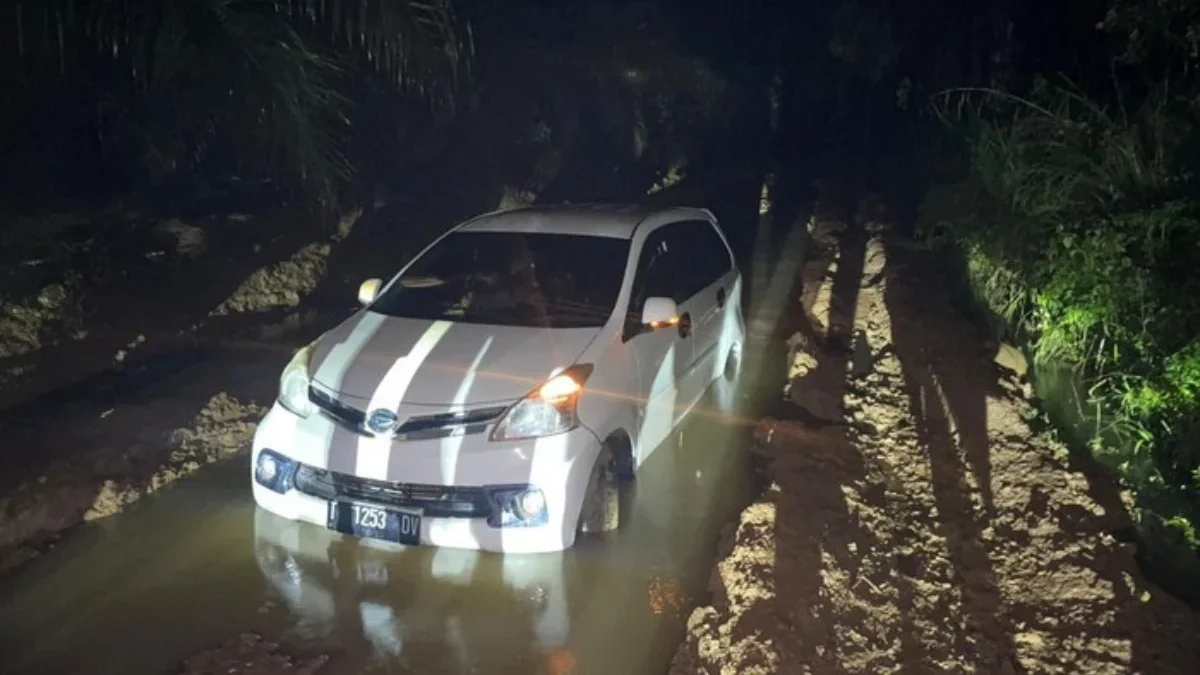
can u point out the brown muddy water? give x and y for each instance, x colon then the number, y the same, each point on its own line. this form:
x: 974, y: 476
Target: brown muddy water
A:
x: 183, y: 570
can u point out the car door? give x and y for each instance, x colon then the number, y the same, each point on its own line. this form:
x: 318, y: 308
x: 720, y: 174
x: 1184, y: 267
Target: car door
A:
x: 711, y: 275
x: 695, y: 309
x: 660, y: 356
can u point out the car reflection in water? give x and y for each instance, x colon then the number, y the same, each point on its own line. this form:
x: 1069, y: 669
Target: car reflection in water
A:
x: 419, y: 607
x: 432, y: 610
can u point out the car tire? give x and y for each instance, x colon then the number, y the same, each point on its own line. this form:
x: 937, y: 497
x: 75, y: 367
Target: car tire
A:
x: 601, y: 511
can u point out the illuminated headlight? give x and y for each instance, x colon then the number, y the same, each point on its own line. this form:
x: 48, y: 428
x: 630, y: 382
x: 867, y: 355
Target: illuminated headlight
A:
x: 550, y: 409
x: 274, y: 471
x: 520, y: 506
x: 293, y: 383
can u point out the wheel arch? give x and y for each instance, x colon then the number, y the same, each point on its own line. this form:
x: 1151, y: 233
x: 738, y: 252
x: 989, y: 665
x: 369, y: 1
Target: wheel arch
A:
x: 620, y: 443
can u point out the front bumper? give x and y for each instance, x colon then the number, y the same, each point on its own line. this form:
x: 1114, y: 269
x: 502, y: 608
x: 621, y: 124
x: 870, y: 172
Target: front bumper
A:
x: 559, y: 465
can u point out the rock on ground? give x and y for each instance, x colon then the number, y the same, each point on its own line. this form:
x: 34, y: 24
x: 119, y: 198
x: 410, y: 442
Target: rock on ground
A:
x: 926, y: 527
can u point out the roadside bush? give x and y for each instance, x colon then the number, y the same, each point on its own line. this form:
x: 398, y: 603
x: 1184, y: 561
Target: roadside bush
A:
x: 1079, y: 228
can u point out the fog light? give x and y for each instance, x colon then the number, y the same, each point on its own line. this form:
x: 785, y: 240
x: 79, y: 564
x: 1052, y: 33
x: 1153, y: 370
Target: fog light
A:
x: 530, y: 503
x: 274, y: 471
x: 517, y: 506
x: 268, y: 468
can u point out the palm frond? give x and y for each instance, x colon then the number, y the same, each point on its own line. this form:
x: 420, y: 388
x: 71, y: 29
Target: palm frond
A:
x: 262, y: 81
x: 415, y: 46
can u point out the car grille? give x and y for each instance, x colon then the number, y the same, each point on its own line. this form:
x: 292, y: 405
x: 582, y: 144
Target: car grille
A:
x: 434, y: 500
x: 421, y: 427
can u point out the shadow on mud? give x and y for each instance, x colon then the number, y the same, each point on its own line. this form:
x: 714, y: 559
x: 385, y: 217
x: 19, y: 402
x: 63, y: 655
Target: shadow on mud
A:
x: 951, y: 417
x: 977, y: 451
x: 811, y: 477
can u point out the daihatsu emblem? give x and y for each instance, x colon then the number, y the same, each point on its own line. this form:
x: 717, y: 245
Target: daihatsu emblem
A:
x: 381, y: 421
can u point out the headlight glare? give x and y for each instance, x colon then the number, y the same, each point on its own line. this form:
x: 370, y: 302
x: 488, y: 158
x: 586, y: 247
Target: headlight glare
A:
x: 547, y: 410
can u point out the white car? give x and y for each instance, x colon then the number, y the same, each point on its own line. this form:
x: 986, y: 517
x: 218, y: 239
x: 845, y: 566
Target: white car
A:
x: 494, y: 393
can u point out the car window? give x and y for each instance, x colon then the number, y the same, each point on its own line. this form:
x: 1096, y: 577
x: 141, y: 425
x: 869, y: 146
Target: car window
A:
x: 700, y: 258
x: 659, y: 271
x: 512, y: 278
x: 708, y: 253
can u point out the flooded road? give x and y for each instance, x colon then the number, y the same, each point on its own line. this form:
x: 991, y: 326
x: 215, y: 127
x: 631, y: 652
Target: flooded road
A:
x: 185, y: 569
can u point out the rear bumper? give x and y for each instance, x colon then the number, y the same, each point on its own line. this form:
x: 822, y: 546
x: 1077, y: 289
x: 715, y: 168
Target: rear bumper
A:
x: 560, y: 466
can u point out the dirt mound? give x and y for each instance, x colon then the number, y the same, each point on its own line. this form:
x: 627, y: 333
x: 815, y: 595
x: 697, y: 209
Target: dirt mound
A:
x: 221, y: 429
x: 283, y: 284
x: 915, y: 521
x: 23, y: 325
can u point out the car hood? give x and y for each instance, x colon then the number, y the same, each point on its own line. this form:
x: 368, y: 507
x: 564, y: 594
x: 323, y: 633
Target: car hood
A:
x: 424, y: 362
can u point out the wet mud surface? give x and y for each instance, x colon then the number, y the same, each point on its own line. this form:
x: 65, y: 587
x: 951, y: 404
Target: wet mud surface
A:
x: 915, y: 521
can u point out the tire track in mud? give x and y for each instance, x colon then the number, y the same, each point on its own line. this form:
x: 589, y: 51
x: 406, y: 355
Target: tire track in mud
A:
x: 914, y: 521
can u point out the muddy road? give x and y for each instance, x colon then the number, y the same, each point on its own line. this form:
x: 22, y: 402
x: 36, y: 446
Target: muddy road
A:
x: 907, y: 513
x: 919, y: 518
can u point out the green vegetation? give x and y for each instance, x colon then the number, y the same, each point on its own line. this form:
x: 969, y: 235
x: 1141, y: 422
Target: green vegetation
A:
x: 1079, y: 225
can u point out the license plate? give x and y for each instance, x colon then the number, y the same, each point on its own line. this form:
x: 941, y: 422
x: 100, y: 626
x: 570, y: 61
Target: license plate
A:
x: 360, y: 520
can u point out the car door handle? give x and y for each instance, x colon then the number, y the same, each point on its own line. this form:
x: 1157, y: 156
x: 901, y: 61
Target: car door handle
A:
x: 685, y: 325
x: 721, y: 298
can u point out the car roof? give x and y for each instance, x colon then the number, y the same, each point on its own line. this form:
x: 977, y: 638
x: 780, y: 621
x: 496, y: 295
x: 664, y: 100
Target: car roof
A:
x: 616, y: 221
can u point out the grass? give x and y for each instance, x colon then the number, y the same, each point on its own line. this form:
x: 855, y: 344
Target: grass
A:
x: 1077, y: 228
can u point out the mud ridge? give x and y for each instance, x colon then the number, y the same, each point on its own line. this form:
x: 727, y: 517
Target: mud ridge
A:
x: 103, y: 449
x: 104, y: 482
x: 920, y: 524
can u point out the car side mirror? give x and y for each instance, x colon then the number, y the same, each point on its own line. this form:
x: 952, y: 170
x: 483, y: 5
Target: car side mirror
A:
x: 369, y: 290
x: 659, y: 313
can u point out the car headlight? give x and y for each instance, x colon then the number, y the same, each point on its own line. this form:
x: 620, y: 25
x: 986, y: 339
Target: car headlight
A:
x: 293, y: 383
x: 550, y: 409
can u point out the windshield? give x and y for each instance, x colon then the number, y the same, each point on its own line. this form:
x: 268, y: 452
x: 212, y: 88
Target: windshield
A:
x: 512, y: 278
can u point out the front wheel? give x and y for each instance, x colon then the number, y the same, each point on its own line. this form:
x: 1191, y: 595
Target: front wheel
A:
x: 601, y: 510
